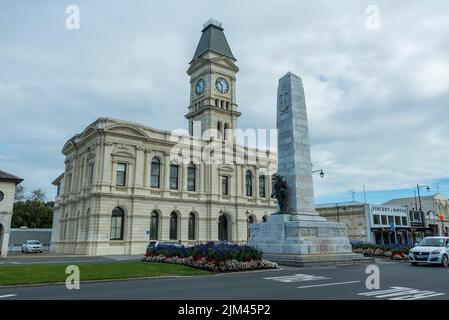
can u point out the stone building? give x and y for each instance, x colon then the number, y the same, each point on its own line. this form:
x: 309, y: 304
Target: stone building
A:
x: 125, y: 184
x: 435, y: 213
x: 371, y: 223
x: 353, y: 214
x: 8, y: 184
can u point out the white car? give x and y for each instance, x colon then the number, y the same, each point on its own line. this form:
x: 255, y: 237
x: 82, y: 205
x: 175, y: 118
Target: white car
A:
x: 31, y: 246
x: 431, y: 250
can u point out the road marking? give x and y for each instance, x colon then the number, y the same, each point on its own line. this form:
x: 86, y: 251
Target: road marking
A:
x: 297, y: 278
x: 401, y: 293
x: 328, y: 284
x: 8, y: 296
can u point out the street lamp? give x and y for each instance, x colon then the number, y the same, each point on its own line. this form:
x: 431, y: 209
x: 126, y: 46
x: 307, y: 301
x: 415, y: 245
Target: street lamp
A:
x: 418, y: 187
x: 320, y: 171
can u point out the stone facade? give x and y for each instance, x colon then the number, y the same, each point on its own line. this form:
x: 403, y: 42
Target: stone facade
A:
x: 200, y: 191
x: 353, y: 215
x: 8, y: 184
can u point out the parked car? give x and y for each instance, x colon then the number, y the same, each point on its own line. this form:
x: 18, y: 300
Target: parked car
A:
x: 431, y: 250
x: 32, y: 246
x: 155, y: 244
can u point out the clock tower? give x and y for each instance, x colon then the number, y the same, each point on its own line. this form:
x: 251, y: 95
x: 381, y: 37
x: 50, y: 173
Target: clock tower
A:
x: 213, y: 107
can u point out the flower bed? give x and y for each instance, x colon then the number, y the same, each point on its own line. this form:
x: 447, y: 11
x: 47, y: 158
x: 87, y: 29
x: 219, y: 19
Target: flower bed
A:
x: 393, y: 252
x: 213, y: 257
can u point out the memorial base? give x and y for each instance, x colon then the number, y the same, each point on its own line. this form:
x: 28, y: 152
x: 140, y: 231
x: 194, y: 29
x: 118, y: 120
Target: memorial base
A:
x: 303, y: 239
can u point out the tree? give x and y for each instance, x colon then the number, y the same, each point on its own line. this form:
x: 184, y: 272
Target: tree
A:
x: 34, y: 212
x: 38, y: 195
x: 20, y: 193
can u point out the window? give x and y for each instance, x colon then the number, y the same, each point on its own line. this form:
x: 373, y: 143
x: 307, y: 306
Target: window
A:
x: 225, y: 185
x: 155, y: 178
x: 173, y: 226
x: 154, y: 225
x: 384, y: 220
x: 91, y: 173
x: 82, y: 173
x: 264, y: 219
x: 174, y: 176
x: 68, y: 185
x: 416, y: 216
x: 390, y: 219
x: 191, y: 177
x: 376, y: 219
x: 117, y: 224
x: 225, y: 134
x: 404, y: 221
x: 249, y: 183
x: 192, y: 226
x: 227, y: 105
x: 262, y: 186
x: 58, y: 191
x: 219, y: 130
x: 121, y: 174
x: 397, y: 220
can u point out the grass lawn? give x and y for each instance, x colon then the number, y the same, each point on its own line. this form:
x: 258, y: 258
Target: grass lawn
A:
x: 45, y: 273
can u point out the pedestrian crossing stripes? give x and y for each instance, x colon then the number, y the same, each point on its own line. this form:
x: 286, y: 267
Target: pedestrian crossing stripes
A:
x: 401, y: 293
x: 297, y: 278
x: 8, y: 296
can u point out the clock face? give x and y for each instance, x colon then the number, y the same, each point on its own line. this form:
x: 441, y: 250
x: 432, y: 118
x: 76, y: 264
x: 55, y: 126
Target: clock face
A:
x: 199, y: 87
x: 222, y: 85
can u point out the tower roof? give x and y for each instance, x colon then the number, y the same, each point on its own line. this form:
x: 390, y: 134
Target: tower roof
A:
x: 213, y: 39
x: 7, y: 177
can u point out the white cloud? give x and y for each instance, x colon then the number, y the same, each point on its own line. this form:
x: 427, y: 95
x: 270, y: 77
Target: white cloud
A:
x: 377, y: 99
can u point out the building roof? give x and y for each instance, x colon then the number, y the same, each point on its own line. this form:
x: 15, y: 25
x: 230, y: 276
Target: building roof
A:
x: 5, y: 176
x: 213, y: 39
x: 340, y: 204
x: 58, y: 179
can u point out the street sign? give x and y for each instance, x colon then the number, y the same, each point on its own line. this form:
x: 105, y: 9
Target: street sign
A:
x: 441, y: 217
x: 391, y: 226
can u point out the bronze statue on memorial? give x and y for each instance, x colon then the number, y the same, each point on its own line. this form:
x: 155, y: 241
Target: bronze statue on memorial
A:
x: 280, y: 193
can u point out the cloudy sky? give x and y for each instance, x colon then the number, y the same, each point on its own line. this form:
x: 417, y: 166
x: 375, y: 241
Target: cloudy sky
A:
x: 378, y: 98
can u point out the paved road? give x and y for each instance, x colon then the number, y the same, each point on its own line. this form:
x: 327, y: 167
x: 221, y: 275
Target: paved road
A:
x: 397, y: 281
x: 36, y: 258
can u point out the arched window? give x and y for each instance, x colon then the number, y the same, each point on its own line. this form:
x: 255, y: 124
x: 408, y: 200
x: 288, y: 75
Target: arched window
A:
x: 225, y: 134
x: 117, y: 224
x: 86, y: 226
x: 174, y: 172
x: 154, y: 225
x: 251, y: 219
x: 155, y: 179
x: 262, y: 186
x: 219, y: 130
x: 173, y: 226
x: 192, y: 226
x: 249, y: 183
x: 191, y: 172
x: 264, y: 219
x: 223, y: 232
